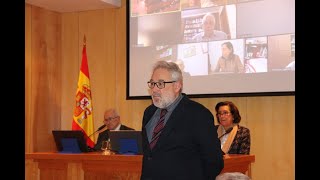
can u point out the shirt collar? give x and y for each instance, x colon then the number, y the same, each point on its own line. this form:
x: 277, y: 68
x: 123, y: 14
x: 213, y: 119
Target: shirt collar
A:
x: 118, y: 127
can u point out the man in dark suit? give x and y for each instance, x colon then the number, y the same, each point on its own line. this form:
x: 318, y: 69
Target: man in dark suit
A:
x: 111, y: 122
x: 183, y: 142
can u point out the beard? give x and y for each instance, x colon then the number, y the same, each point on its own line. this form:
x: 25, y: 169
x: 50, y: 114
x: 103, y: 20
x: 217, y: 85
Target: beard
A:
x: 163, y: 100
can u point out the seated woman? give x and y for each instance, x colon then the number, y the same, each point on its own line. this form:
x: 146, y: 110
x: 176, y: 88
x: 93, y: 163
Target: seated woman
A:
x: 235, y: 139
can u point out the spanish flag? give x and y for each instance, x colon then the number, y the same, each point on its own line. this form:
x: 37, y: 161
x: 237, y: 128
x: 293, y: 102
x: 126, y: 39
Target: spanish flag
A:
x: 82, y: 115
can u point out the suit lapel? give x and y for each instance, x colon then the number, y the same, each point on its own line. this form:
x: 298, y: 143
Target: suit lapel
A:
x: 147, y: 118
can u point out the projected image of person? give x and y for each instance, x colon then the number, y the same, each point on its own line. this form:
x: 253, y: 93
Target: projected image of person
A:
x: 180, y: 63
x: 156, y: 6
x: 229, y: 62
x: 209, y: 33
x: 191, y: 4
x: 291, y: 65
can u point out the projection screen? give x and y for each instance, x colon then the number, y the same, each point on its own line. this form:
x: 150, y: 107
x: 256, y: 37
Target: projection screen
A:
x: 258, y: 34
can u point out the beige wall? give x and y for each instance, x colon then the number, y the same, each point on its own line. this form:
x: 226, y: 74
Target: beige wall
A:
x: 53, y: 45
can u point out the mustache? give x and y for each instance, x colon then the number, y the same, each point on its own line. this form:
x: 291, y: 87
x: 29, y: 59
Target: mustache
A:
x: 155, y: 94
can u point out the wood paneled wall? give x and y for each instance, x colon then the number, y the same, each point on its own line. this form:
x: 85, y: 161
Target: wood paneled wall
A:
x: 53, y: 44
x: 43, y: 77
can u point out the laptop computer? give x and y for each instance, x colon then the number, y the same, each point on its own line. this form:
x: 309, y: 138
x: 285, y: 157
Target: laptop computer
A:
x: 70, y: 141
x: 126, y: 141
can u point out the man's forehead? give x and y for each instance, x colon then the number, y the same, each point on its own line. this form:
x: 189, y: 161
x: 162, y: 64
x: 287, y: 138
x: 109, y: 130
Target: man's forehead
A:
x: 108, y: 114
x: 161, y: 74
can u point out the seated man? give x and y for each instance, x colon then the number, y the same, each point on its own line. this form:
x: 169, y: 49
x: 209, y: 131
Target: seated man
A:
x: 111, y: 122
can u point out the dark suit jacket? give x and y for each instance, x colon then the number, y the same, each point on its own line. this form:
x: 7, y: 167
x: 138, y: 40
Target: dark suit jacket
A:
x: 188, y: 147
x: 103, y: 136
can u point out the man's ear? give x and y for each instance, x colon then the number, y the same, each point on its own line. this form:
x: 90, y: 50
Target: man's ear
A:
x: 177, y: 86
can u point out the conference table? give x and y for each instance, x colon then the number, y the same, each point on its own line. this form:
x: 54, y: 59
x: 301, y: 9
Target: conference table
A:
x: 96, y: 165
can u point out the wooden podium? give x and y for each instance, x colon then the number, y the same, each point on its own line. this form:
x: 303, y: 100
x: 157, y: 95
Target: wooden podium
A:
x: 89, y: 166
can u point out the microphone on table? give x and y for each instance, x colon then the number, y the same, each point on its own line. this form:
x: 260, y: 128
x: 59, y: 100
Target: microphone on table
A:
x: 101, y: 127
x: 227, y: 132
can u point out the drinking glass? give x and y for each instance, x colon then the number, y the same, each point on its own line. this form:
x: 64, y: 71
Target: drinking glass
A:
x: 106, y: 147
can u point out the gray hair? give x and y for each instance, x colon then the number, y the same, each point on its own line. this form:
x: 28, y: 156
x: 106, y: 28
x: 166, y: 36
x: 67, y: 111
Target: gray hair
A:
x: 208, y: 15
x: 233, y: 176
x: 172, y: 67
x: 113, y: 111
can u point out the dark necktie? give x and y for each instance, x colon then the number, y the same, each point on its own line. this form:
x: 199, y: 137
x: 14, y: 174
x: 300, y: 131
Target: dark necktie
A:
x: 157, y: 130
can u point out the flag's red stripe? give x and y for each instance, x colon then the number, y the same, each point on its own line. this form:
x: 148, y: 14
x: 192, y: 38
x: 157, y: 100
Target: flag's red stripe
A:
x: 84, y: 65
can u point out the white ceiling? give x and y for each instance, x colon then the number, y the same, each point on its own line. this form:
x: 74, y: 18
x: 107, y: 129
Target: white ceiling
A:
x: 74, y: 5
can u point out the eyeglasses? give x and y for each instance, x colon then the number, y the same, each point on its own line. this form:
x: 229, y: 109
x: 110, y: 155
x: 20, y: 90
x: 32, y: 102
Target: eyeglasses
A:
x: 223, y: 113
x: 160, y: 84
x: 110, y: 118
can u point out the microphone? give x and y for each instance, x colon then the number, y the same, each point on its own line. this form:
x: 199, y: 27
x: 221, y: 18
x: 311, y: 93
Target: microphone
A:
x: 227, y: 132
x: 101, y: 127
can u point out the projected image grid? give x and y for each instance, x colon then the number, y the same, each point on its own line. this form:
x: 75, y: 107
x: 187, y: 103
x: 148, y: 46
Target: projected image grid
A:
x: 211, y: 37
